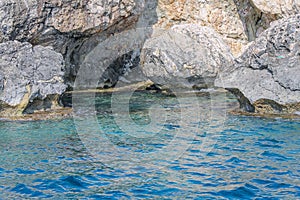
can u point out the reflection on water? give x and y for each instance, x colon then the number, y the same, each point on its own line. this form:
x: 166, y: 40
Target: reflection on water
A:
x: 250, y: 157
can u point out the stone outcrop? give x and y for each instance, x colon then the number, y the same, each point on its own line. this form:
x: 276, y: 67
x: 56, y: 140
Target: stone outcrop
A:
x: 185, y: 56
x: 222, y: 16
x: 57, y: 23
x: 270, y: 67
x: 255, y: 21
x: 61, y: 35
x: 283, y: 8
x: 78, y: 51
x: 237, y: 21
x: 29, y: 76
x: 72, y: 28
x: 30, y: 19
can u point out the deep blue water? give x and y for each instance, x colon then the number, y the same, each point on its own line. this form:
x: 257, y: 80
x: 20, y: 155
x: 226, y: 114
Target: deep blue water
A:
x: 214, y: 156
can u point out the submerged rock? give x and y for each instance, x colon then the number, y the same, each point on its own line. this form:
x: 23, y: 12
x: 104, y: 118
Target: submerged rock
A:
x: 29, y: 74
x: 268, y: 106
x: 185, y: 56
x: 270, y: 68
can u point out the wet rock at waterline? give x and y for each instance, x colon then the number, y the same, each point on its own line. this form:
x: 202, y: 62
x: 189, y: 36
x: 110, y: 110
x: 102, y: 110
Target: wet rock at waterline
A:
x: 29, y: 76
x: 245, y: 104
x: 122, y: 71
x: 270, y: 67
x: 185, y: 56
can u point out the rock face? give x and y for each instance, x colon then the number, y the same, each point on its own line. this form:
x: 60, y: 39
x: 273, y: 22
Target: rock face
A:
x: 185, y: 56
x: 72, y: 28
x: 29, y: 75
x: 222, y: 16
x: 283, y: 8
x: 28, y: 20
x: 65, y: 25
x: 57, y: 23
x: 237, y: 21
x: 142, y: 21
x: 270, y: 67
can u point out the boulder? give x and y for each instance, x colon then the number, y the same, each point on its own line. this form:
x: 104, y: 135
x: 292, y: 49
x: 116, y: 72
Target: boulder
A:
x: 184, y: 56
x: 270, y: 67
x: 284, y: 8
x: 237, y: 21
x: 222, y: 16
x: 29, y: 75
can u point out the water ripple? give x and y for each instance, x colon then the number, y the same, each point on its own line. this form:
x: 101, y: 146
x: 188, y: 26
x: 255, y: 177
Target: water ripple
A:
x: 250, y: 158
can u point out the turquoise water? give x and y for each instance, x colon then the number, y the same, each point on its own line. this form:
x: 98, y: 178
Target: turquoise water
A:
x: 221, y: 157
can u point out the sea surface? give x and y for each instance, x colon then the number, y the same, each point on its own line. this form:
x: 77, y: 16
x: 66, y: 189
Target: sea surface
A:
x: 151, y: 146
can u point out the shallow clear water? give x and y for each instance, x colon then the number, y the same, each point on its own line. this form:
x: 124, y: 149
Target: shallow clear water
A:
x: 211, y: 156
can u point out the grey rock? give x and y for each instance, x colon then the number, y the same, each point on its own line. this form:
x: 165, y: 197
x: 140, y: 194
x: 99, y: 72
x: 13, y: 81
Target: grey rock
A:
x: 237, y: 21
x: 283, y: 8
x: 71, y: 27
x: 270, y: 67
x: 142, y: 20
x: 245, y: 104
x: 30, y: 19
x: 122, y: 71
x: 297, y: 113
x: 184, y: 56
x: 29, y: 73
x: 254, y: 20
x: 113, y: 61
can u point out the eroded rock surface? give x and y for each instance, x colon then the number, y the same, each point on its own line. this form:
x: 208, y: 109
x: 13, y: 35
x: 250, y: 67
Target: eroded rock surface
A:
x: 282, y: 8
x: 121, y: 64
x: 185, y: 56
x: 27, y: 75
x: 270, y: 67
x: 26, y: 19
x: 66, y: 24
x: 238, y: 21
x: 222, y: 16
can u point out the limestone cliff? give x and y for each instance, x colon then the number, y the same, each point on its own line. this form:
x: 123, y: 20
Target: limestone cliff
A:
x: 51, y: 33
x: 67, y: 31
x: 238, y: 21
x: 270, y: 67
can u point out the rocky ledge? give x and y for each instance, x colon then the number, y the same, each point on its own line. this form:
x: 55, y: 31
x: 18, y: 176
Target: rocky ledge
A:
x: 250, y: 47
x: 266, y: 77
